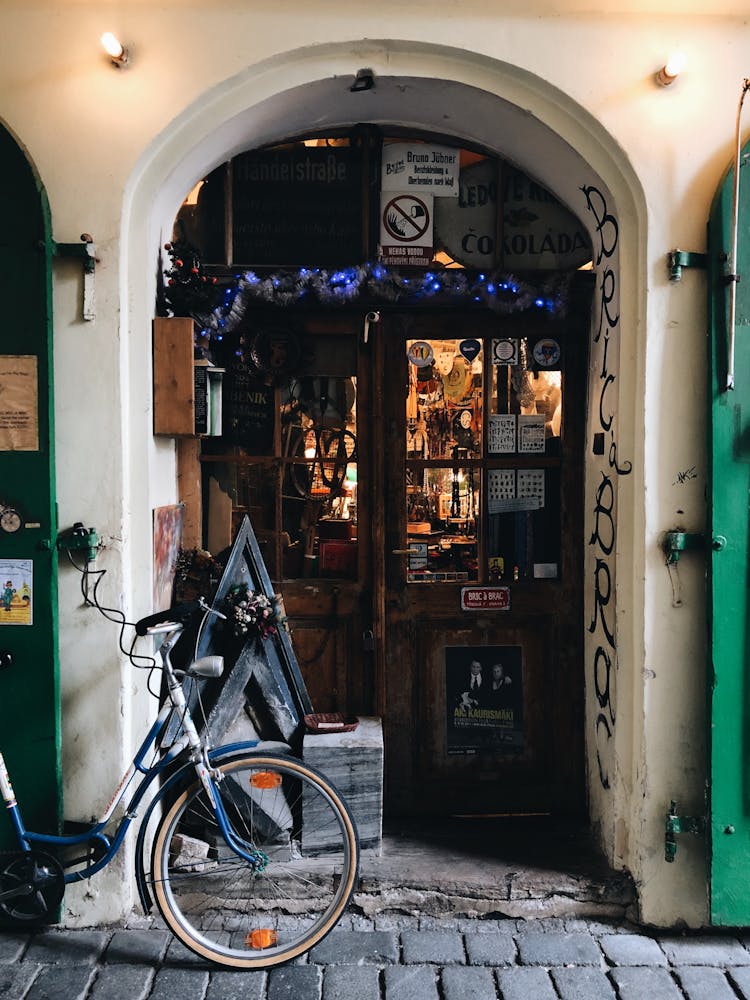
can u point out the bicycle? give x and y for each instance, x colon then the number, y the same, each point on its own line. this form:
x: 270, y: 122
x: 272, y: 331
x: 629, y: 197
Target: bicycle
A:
x: 255, y: 855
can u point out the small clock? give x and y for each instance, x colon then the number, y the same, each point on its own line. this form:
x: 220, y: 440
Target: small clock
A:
x: 10, y: 520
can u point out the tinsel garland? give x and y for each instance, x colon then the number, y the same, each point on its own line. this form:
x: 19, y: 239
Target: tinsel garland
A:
x: 373, y: 282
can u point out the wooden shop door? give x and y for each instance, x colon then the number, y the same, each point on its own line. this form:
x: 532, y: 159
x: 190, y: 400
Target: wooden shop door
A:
x: 482, y: 527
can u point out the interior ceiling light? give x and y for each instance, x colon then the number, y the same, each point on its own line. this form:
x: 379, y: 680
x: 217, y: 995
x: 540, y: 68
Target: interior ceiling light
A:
x: 114, y: 49
x: 671, y: 69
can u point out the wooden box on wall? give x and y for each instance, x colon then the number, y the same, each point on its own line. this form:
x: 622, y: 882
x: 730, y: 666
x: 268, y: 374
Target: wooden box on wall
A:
x: 174, y: 384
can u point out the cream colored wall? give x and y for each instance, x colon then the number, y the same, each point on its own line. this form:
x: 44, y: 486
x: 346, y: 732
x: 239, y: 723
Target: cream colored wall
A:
x: 115, y: 152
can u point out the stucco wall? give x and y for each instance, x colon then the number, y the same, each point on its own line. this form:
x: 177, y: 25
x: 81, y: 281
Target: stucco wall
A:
x: 116, y: 152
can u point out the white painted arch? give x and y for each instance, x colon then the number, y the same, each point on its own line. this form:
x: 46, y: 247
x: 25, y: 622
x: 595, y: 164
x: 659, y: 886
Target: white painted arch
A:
x: 462, y: 95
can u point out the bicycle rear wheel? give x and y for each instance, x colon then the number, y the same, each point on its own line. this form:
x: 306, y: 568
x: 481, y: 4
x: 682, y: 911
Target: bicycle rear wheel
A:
x: 250, y: 916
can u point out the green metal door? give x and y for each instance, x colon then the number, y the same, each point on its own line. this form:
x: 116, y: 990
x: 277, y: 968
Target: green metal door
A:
x: 29, y: 688
x: 729, y: 666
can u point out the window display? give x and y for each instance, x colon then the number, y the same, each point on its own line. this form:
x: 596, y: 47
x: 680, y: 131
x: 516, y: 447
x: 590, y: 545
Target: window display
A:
x: 482, y: 482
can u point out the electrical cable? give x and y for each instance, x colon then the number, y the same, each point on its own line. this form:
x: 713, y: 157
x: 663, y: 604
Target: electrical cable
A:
x: 114, y: 615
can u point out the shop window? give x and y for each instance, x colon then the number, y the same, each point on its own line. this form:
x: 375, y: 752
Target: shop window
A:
x: 483, y: 488
x: 289, y: 458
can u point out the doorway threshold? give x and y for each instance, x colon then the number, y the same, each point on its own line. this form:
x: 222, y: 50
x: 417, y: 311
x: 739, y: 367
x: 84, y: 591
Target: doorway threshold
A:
x: 511, y: 866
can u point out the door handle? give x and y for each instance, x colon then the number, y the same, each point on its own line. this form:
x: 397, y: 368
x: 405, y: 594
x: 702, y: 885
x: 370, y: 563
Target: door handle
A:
x: 401, y: 552
x: 6, y: 658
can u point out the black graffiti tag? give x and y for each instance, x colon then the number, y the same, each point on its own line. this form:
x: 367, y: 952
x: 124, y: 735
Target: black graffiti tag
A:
x: 604, y: 667
x: 603, y: 517
x: 606, y: 224
x: 607, y: 289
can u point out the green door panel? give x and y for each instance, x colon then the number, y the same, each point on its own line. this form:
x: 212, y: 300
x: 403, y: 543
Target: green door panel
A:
x: 29, y: 687
x: 729, y: 483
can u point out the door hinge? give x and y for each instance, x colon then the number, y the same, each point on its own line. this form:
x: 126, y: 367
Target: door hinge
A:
x: 677, y: 259
x: 679, y: 824
x: 85, y: 251
x: 676, y: 542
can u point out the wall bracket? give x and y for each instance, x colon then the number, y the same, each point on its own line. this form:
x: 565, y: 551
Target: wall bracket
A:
x: 675, y: 825
x: 676, y: 542
x: 677, y: 259
x: 85, y: 251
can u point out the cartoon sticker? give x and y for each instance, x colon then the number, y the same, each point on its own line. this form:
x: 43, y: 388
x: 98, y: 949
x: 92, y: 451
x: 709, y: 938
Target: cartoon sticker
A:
x: 546, y: 352
x: 420, y: 353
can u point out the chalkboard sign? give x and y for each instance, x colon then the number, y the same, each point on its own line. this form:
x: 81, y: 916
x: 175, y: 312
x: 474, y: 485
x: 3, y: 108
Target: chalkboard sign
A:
x: 249, y: 414
x: 261, y: 694
x: 299, y: 205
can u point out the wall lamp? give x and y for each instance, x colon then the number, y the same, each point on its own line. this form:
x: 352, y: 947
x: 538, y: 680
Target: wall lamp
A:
x: 671, y: 69
x: 364, y: 80
x: 115, y: 49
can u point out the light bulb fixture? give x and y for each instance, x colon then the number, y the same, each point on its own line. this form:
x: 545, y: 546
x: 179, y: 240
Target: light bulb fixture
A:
x: 114, y: 49
x: 671, y: 69
x: 364, y: 80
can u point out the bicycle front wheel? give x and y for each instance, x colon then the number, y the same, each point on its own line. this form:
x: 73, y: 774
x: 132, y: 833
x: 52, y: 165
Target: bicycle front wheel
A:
x: 252, y: 915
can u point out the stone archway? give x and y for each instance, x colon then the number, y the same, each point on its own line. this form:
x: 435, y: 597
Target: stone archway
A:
x: 532, y: 124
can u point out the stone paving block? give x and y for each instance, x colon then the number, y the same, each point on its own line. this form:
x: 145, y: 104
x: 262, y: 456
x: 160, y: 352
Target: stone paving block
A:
x: 446, y: 923
x: 632, y: 949
x: 344, y: 982
x: 639, y: 984
x: 118, y: 982
x: 467, y: 925
x: 356, y: 948
x: 66, y: 947
x: 462, y: 982
x: 54, y: 983
x: 12, y: 946
x: 542, y: 925
x: 490, y: 949
x: 185, y: 984
x: 358, y: 922
x: 582, y: 984
x: 596, y: 927
x: 228, y: 984
x: 141, y: 947
x: 295, y: 982
x: 396, y: 922
x: 555, y: 948
x: 414, y: 982
x: 740, y: 977
x: 432, y: 947
x: 524, y: 984
x: 704, y: 983
x: 14, y: 982
x: 179, y: 956
x: 706, y: 950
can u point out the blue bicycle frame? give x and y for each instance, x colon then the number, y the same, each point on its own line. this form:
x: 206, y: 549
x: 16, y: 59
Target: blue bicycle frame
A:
x: 95, y: 833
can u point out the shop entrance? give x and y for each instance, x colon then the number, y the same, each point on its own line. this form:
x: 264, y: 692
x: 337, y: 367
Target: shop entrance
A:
x: 482, y: 533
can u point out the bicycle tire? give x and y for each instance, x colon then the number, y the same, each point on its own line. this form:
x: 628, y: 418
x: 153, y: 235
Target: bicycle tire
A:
x: 214, y: 901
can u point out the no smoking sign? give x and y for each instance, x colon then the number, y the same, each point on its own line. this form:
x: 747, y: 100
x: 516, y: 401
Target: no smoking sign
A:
x: 406, y: 228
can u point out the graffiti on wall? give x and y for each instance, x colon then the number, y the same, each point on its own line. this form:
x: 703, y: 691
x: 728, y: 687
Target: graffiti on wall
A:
x: 602, y: 623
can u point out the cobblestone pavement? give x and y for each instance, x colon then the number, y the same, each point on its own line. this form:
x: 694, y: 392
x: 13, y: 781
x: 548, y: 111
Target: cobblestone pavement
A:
x: 391, y: 957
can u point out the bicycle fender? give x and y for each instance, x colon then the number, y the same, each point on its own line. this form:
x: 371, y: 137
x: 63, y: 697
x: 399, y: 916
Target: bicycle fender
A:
x: 184, y: 772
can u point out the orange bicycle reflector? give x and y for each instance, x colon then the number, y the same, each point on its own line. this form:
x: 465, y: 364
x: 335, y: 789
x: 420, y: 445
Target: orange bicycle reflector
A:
x: 263, y: 937
x: 265, y: 779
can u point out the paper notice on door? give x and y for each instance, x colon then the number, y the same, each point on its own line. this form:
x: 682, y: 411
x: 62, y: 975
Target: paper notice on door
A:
x: 16, y: 586
x: 501, y: 433
x: 531, y: 433
x: 19, y: 403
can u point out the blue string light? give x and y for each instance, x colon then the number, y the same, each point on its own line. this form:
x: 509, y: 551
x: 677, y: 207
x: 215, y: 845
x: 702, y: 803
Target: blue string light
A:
x: 375, y: 282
